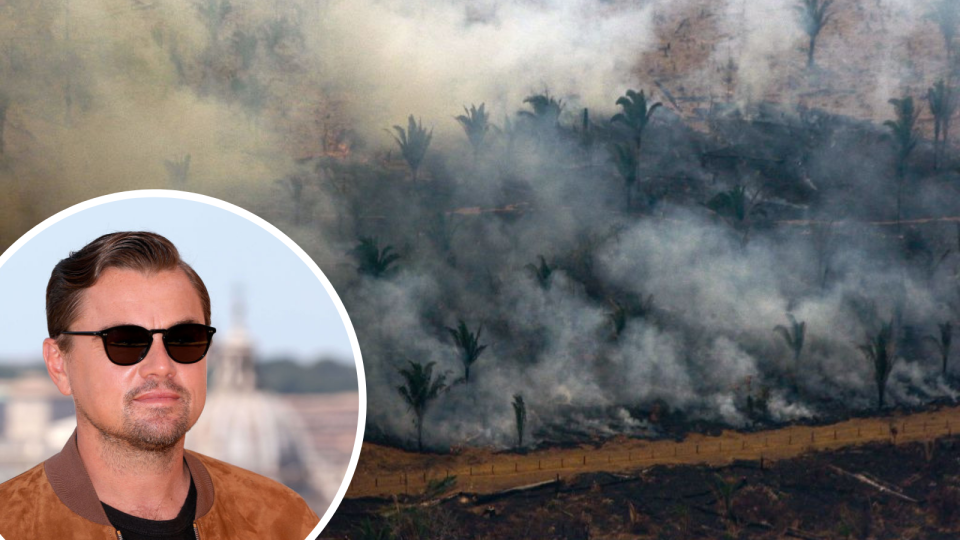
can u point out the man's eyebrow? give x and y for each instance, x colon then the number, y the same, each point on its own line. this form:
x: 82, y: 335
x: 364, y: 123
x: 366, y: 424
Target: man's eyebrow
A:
x: 186, y: 320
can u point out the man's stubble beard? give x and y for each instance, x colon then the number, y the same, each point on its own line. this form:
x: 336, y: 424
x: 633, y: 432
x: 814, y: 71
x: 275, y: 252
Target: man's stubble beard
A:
x: 149, y: 429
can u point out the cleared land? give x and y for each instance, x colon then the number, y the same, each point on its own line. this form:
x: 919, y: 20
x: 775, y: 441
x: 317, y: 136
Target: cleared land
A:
x: 384, y: 471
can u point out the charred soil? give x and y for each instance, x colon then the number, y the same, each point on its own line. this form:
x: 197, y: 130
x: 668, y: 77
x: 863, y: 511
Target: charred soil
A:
x: 877, y: 490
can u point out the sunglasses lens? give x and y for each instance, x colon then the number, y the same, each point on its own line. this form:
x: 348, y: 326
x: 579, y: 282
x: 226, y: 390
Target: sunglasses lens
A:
x: 187, y: 343
x: 125, y: 345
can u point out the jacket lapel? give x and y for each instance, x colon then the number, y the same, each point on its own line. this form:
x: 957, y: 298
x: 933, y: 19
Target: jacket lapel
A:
x: 70, y: 481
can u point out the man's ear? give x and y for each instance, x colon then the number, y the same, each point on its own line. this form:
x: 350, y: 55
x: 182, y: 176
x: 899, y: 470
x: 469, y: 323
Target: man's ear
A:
x: 55, y: 359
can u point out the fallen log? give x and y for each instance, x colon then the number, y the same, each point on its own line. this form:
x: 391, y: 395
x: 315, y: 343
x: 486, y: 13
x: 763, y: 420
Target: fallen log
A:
x: 483, y: 499
x: 874, y: 484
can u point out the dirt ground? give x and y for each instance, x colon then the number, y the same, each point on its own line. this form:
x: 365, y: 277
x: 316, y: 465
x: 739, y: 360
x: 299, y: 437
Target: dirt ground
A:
x: 877, y: 490
x: 384, y: 471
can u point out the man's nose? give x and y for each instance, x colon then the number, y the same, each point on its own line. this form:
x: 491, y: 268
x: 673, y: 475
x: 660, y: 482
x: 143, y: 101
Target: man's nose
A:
x: 157, y: 362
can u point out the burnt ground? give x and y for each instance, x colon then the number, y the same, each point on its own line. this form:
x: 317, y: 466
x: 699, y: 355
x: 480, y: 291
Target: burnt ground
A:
x: 814, y: 496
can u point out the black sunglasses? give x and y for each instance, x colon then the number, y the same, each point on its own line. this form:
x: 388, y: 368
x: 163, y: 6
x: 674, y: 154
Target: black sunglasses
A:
x: 129, y: 344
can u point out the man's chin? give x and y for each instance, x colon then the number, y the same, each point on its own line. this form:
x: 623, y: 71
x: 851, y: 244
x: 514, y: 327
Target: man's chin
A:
x: 156, y: 433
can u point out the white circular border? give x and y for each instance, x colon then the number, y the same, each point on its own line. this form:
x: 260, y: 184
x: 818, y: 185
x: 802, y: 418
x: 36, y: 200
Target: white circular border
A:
x: 263, y: 224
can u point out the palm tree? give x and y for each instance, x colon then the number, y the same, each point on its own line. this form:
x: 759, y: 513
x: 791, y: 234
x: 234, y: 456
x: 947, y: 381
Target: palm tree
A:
x: 793, y: 336
x: 943, y: 343
x: 587, y: 136
x: 372, y: 260
x: 724, y: 490
x: 635, y: 115
x: 738, y: 208
x: 942, y: 105
x: 413, y: 143
x: 618, y: 317
x: 520, y: 413
x: 294, y: 186
x: 214, y: 13
x: 280, y: 31
x: 251, y: 94
x: 245, y: 44
x: 178, y: 170
x: 475, y: 124
x: 418, y: 390
x: 627, y: 162
x: 904, y: 134
x: 469, y: 345
x: 541, y: 272
x: 814, y: 15
x: 546, y: 110
x: 946, y: 13
x: 881, y: 351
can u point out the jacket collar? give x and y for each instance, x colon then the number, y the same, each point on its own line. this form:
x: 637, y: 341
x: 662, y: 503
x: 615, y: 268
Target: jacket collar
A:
x: 69, y: 479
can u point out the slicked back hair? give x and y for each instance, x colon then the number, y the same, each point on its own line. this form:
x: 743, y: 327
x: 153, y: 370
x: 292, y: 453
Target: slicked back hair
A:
x: 145, y: 252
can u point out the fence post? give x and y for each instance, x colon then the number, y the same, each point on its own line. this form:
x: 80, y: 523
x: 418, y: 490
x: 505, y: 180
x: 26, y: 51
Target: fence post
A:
x: 584, y: 459
x: 471, y: 470
x: 516, y: 467
x: 376, y: 482
x: 491, y: 470
x: 698, y: 448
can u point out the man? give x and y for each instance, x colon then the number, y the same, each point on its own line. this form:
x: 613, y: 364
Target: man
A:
x: 129, y: 332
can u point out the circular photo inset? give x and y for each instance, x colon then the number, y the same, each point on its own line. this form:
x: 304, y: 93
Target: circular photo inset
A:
x: 170, y: 362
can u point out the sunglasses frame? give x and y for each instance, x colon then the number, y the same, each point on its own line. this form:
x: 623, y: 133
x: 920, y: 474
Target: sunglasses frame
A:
x: 102, y: 334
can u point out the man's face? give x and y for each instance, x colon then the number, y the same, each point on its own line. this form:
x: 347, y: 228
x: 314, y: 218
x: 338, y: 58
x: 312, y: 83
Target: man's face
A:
x: 152, y: 404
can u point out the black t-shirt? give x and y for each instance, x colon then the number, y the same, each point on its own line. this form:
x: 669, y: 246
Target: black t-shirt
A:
x: 178, y: 528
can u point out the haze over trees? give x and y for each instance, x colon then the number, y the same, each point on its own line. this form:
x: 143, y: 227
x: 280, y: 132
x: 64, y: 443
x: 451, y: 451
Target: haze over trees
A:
x: 753, y: 194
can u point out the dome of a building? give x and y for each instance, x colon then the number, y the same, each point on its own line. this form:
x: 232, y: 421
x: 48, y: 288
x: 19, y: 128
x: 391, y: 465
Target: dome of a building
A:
x: 255, y: 430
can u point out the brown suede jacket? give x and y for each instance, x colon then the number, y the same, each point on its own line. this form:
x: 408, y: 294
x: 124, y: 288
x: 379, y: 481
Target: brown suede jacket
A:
x: 56, y: 499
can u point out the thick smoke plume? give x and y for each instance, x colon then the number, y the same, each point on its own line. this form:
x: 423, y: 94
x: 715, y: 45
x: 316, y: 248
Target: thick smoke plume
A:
x: 764, y: 190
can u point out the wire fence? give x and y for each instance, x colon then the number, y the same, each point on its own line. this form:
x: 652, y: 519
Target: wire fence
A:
x: 505, y: 472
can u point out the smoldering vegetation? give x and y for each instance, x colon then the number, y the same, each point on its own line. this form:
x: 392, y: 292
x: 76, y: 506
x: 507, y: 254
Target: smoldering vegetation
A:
x: 507, y: 214
x: 743, y: 284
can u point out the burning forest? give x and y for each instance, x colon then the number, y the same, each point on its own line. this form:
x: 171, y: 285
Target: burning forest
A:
x: 652, y: 217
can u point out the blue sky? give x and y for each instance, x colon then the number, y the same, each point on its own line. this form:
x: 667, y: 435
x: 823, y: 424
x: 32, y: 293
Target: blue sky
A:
x: 288, y: 310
